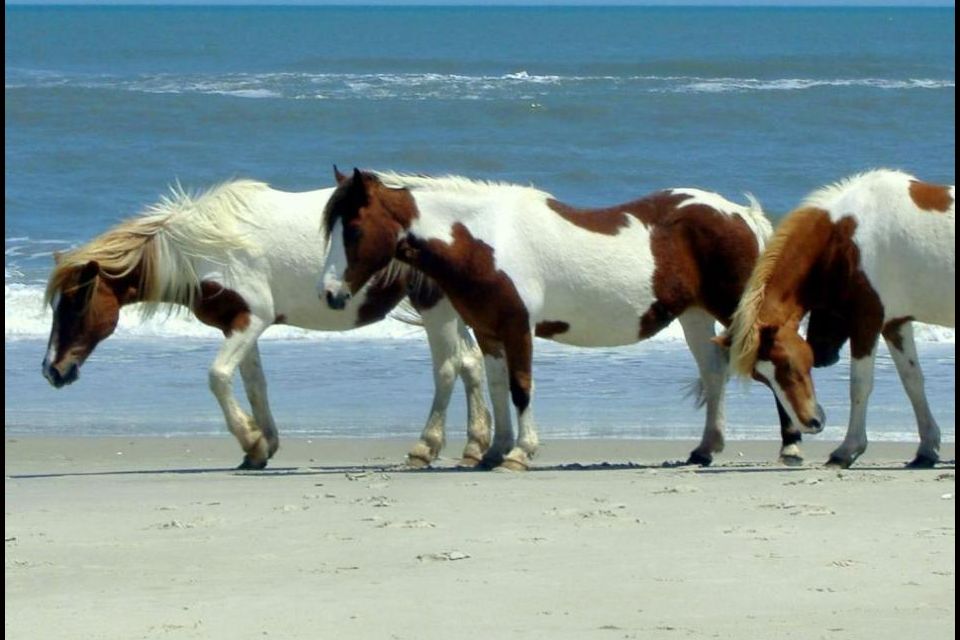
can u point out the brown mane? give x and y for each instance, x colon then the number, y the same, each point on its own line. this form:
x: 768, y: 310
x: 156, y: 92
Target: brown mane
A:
x: 744, y: 331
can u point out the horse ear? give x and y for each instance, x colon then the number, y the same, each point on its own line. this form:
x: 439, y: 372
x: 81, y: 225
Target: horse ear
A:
x: 57, y: 257
x: 358, y: 187
x: 90, y: 271
x: 339, y: 177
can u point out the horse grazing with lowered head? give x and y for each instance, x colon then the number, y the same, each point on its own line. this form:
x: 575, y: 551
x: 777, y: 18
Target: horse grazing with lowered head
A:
x: 243, y: 257
x: 516, y: 263
x: 873, y: 253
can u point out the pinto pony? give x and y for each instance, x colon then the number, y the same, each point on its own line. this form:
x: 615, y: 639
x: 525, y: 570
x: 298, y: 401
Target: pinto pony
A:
x: 243, y: 257
x: 875, y: 252
x: 516, y: 263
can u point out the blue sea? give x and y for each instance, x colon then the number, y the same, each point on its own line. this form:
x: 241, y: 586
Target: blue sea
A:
x: 107, y: 106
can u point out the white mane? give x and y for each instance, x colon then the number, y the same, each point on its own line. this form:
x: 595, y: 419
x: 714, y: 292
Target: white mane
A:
x: 166, y: 241
x: 449, y: 183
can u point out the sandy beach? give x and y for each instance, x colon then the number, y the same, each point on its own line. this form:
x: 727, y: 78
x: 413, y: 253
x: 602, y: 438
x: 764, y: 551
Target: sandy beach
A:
x: 159, y: 538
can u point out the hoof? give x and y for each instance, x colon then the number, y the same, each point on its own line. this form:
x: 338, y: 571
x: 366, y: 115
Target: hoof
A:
x: 792, y: 461
x: 512, y: 464
x: 700, y: 458
x: 491, y: 460
x: 417, y: 462
x: 469, y: 462
x: 249, y: 464
x: 922, y: 462
x: 836, y: 462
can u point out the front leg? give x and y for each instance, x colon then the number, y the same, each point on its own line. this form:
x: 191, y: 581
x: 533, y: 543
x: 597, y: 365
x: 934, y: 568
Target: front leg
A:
x: 498, y: 381
x: 790, y: 437
x: 861, y: 385
x: 234, y: 350
x: 255, y: 384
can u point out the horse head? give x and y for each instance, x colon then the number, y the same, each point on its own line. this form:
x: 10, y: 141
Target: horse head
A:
x: 785, y: 361
x: 364, y: 221
x: 86, y: 309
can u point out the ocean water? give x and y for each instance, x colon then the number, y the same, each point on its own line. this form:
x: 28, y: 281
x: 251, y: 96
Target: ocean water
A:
x: 106, y: 106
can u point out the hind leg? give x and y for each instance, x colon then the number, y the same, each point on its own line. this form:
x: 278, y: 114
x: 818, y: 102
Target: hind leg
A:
x: 903, y: 350
x: 255, y: 384
x: 698, y: 329
x: 232, y: 352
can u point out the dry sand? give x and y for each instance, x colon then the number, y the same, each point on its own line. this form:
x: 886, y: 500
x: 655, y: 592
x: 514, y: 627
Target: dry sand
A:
x: 156, y: 538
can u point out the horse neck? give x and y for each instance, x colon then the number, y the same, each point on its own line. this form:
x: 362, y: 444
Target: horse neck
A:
x: 811, y: 271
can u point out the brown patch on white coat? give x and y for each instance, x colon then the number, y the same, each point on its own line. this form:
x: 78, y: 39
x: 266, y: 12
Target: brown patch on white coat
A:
x: 931, y: 197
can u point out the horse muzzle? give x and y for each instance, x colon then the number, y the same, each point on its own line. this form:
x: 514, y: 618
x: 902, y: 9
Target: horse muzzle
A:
x: 816, y: 424
x: 61, y: 379
x: 338, y: 300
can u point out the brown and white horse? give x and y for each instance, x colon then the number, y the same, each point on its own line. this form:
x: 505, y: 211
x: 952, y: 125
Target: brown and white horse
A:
x: 871, y: 254
x: 516, y: 263
x: 243, y: 257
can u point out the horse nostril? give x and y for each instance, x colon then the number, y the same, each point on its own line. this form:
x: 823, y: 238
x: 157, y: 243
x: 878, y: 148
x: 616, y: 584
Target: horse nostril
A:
x: 815, y: 425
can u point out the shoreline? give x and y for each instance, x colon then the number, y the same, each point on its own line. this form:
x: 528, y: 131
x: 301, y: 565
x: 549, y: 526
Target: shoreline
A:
x: 37, y: 454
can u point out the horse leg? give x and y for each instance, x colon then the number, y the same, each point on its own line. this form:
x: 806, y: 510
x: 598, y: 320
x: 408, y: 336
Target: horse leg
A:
x: 790, y: 437
x: 698, y: 329
x: 233, y: 351
x: 903, y: 349
x: 861, y: 385
x: 495, y: 364
x: 519, y: 348
x: 255, y: 384
x: 443, y: 340
x: 478, y: 418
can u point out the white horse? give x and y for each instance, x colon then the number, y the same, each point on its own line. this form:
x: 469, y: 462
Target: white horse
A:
x: 877, y: 251
x: 242, y: 257
x: 517, y: 263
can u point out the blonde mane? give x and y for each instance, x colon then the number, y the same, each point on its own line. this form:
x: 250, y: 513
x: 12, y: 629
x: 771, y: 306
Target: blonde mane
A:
x: 165, y: 242
x: 744, y: 331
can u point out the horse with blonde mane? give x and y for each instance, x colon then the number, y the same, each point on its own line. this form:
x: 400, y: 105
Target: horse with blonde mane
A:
x: 243, y: 257
x: 872, y: 253
x: 516, y: 263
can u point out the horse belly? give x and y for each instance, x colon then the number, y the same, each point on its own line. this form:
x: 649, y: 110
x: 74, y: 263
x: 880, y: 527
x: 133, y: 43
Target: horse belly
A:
x: 594, y: 321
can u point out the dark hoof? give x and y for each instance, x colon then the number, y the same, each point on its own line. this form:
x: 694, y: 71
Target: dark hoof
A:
x: 490, y: 461
x: 838, y: 463
x: 702, y: 459
x: 251, y: 465
x: 792, y: 461
x: 922, y: 462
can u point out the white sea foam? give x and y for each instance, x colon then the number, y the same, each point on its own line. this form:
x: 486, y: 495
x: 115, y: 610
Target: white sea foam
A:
x: 424, y: 86
x: 25, y: 317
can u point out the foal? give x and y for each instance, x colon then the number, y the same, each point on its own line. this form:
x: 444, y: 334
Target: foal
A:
x: 516, y: 263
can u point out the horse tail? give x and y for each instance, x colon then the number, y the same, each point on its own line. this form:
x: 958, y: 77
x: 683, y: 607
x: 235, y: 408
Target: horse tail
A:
x: 406, y: 313
x: 757, y: 220
x: 696, y: 391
